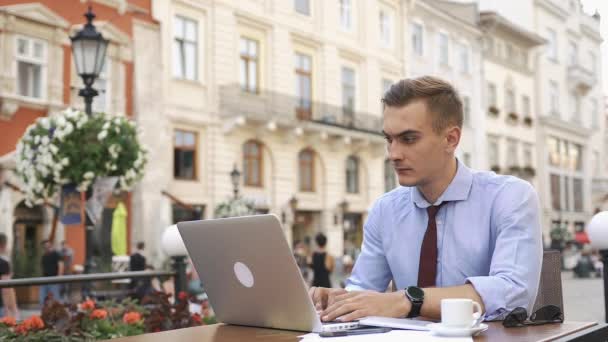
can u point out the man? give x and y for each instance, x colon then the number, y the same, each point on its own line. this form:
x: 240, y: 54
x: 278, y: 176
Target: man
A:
x: 449, y: 231
x: 8, y: 302
x: 137, y: 262
x: 52, y: 265
x: 67, y: 255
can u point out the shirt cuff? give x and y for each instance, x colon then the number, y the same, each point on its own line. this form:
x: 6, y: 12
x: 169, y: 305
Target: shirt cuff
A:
x: 490, y: 290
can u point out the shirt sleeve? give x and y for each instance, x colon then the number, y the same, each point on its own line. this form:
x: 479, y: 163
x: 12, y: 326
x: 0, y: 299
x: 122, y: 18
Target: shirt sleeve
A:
x: 5, y: 268
x: 517, y: 257
x: 371, y: 270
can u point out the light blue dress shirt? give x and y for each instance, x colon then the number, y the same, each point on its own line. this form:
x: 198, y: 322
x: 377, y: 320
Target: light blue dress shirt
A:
x: 488, y: 235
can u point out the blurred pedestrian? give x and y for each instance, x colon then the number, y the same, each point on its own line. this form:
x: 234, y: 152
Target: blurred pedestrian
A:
x: 300, y: 253
x: 67, y: 255
x: 322, y: 263
x: 137, y: 262
x: 52, y: 265
x: 8, y: 300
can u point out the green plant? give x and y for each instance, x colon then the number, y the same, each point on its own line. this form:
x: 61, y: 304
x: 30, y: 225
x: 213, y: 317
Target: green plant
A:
x: 72, y: 147
x: 235, y: 207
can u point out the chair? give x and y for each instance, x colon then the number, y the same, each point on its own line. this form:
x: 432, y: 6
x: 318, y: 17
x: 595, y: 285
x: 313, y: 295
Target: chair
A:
x: 550, y: 286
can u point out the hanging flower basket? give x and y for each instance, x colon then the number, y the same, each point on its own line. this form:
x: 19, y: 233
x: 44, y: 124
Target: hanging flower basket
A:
x: 74, y: 148
x: 493, y: 111
x: 235, y: 207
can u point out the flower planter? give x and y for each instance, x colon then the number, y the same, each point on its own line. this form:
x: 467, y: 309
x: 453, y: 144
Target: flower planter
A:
x: 495, y: 168
x: 493, y: 111
x: 529, y: 171
x: 513, y: 117
x: 528, y: 121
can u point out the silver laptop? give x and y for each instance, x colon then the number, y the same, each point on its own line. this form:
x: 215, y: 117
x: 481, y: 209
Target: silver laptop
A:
x: 248, y: 270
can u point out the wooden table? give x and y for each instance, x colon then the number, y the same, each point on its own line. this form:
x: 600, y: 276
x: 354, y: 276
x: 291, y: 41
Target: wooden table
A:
x: 496, y: 332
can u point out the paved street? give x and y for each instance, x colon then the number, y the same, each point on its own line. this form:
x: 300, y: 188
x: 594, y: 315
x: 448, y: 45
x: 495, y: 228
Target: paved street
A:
x: 583, y: 298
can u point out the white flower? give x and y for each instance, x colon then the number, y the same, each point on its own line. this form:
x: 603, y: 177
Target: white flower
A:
x: 45, y: 140
x: 54, y: 149
x: 88, y: 175
x: 106, y: 126
x: 45, y: 123
x: 61, y: 121
x: 102, y: 135
x: 37, y: 140
x: 65, y: 161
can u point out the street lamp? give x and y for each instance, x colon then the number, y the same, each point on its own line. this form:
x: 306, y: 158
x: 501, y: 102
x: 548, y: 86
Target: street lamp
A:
x: 598, y: 234
x: 235, y: 176
x: 173, y: 245
x: 89, y: 50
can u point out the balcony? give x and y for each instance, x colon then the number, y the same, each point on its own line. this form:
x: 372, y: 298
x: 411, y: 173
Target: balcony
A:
x: 580, y: 79
x: 280, y: 110
x: 599, y: 186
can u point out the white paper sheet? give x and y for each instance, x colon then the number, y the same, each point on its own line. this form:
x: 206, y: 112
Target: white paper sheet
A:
x: 391, y: 336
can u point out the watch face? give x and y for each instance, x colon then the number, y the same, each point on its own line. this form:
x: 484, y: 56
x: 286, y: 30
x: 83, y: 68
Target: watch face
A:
x: 415, y: 292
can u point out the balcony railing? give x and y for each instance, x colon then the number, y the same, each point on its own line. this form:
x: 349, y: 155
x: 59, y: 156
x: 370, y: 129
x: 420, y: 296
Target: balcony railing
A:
x: 286, y: 109
x: 580, y: 79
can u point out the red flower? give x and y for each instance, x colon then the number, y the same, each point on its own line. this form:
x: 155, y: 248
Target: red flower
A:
x: 131, y: 317
x: 88, y: 305
x: 99, y: 314
x: 21, y: 329
x: 10, y: 321
x: 182, y: 296
x: 197, y: 318
x: 33, y: 323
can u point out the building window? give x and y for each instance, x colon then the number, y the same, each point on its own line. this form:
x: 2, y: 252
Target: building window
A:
x: 252, y: 164
x: 307, y: 170
x: 554, y: 97
x: 31, y: 63
x: 185, y: 44
x: 463, y: 56
x: 528, y: 155
x: 525, y: 103
x: 573, y: 60
x: 466, y: 110
x: 510, y: 101
x: 595, y: 120
x: 596, y: 163
x: 577, y: 192
x: 348, y: 91
x: 249, y: 66
x: 418, y: 39
x: 491, y: 94
x: 575, y: 104
x: 386, y: 28
x: 302, y: 6
x: 352, y: 175
x: 390, y: 180
x: 592, y: 62
x: 444, y: 54
x: 346, y: 10
x: 102, y: 85
x: 303, y: 86
x: 184, y: 155
x: 493, y: 152
x: 555, y: 192
x: 512, y: 155
x: 552, y: 44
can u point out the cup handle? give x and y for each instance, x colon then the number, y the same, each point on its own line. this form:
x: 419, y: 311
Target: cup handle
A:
x: 477, y: 312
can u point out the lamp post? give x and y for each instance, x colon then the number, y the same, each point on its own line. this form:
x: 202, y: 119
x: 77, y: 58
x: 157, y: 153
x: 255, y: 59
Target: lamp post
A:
x: 173, y: 245
x: 598, y: 234
x: 235, y: 177
x: 89, y: 50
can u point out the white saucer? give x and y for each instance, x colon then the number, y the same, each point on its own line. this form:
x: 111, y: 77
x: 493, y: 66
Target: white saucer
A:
x: 441, y: 330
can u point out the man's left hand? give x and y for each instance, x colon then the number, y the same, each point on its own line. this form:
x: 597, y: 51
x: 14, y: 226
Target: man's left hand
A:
x: 358, y: 304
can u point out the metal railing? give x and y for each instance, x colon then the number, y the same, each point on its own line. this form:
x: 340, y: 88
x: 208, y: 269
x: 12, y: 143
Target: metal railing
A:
x: 84, y: 278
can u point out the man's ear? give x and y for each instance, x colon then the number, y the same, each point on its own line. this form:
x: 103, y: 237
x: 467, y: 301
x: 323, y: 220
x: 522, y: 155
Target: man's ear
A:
x: 452, y: 137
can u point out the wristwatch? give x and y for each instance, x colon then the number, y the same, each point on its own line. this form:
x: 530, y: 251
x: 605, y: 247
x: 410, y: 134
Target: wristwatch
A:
x: 416, y: 297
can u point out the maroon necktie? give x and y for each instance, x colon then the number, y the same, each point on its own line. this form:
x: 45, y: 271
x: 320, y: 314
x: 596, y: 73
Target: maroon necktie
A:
x: 427, y: 270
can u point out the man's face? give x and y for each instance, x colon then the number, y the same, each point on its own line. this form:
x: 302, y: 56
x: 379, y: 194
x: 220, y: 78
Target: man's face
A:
x: 416, y: 151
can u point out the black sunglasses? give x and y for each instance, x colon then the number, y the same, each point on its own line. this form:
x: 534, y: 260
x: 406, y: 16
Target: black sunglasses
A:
x: 544, y: 315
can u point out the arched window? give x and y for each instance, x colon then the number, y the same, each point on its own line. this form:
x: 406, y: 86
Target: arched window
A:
x: 306, y: 161
x: 389, y: 176
x: 352, y: 175
x: 252, y: 163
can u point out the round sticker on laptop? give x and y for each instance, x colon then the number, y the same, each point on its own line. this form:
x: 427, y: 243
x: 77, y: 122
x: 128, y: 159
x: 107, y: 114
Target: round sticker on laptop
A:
x: 243, y: 274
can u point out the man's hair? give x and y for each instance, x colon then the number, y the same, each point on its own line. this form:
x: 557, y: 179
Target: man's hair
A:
x: 441, y: 99
x: 140, y: 245
x: 3, y: 240
x: 321, y: 239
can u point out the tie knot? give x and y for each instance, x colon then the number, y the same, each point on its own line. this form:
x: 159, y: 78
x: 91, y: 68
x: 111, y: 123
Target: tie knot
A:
x: 432, y: 210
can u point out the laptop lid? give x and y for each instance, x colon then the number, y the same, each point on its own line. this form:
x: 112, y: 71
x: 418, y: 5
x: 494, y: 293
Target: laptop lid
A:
x: 249, y: 273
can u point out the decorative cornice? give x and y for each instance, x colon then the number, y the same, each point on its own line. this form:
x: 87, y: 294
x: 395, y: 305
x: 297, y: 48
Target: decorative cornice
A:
x: 38, y: 13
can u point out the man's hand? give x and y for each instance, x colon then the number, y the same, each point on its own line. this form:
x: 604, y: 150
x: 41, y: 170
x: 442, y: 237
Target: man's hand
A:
x: 358, y: 304
x: 322, y: 297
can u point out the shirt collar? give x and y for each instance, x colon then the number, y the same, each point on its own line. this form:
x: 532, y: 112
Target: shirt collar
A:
x: 458, y: 190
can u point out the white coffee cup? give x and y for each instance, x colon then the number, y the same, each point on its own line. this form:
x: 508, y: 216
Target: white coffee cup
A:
x: 458, y: 313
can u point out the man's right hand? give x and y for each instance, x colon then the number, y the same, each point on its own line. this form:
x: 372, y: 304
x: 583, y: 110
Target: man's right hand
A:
x: 323, y: 297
